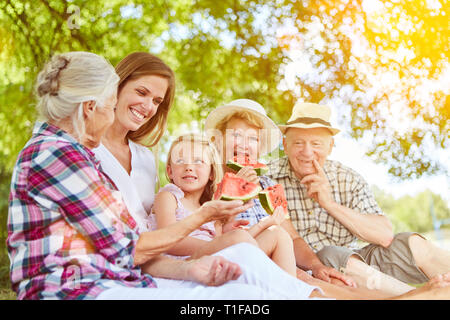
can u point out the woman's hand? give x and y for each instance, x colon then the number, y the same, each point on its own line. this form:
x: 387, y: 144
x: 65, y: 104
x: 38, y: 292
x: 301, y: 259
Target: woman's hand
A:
x: 325, y: 273
x: 211, y: 270
x: 223, y: 210
x: 249, y: 174
x: 155, y: 242
x: 234, y: 224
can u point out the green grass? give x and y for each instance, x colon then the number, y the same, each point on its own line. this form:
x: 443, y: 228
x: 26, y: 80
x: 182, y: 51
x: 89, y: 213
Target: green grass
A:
x: 7, y: 294
x: 5, y: 287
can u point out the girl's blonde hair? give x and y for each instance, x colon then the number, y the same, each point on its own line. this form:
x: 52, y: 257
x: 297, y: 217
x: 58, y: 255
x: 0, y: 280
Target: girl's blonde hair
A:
x: 216, y: 166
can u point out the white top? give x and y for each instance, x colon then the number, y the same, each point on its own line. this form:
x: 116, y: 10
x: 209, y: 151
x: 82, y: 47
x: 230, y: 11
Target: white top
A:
x: 138, y: 188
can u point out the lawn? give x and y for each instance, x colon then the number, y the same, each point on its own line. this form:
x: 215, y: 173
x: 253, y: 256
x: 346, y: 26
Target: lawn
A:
x: 5, y: 289
x: 7, y: 294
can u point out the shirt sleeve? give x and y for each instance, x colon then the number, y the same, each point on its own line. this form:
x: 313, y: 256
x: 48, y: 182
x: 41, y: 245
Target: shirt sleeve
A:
x: 362, y: 198
x: 64, y: 180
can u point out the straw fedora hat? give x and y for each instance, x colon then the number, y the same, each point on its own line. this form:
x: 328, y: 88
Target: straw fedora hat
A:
x: 309, y: 115
x: 271, y: 133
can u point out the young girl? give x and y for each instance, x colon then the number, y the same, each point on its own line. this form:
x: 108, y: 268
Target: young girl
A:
x: 194, y: 169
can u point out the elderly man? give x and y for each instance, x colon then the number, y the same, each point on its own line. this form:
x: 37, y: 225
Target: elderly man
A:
x: 331, y: 206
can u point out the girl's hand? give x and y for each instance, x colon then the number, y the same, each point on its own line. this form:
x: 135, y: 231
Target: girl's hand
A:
x: 279, y: 215
x: 248, y: 174
x: 212, y: 270
x: 223, y: 210
x: 234, y: 224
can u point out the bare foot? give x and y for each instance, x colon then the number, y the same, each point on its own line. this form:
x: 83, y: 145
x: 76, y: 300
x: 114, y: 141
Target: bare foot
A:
x: 437, y: 288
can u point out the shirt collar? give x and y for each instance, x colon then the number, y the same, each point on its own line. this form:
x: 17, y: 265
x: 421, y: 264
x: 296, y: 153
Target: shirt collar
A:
x: 48, y: 129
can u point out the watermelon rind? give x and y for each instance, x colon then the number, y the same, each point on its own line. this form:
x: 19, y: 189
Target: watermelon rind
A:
x: 245, y: 198
x: 264, y: 200
x: 234, y: 165
x: 261, y: 171
x: 237, y: 166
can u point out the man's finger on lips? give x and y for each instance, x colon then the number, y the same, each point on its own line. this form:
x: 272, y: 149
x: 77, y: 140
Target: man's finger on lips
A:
x: 318, y: 167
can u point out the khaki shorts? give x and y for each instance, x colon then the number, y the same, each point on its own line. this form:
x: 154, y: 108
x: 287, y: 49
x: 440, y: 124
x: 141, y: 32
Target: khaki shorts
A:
x: 396, y: 260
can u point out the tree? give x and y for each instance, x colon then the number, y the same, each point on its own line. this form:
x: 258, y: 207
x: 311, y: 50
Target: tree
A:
x: 228, y: 49
x: 385, y: 66
x: 412, y: 213
x: 336, y: 52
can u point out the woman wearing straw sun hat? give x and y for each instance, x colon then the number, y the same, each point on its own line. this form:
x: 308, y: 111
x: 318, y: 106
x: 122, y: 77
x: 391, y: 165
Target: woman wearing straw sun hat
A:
x: 242, y: 127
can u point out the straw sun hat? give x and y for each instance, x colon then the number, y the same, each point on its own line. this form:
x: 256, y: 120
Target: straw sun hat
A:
x: 271, y: 135
x: 309, y: 115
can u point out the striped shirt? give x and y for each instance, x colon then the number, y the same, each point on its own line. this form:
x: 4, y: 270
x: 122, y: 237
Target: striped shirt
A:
x: 313, y: 223
x: 69, y: 233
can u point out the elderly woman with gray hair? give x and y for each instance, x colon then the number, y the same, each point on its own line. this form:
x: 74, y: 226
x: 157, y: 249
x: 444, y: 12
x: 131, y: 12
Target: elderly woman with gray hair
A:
x: 70, y: 235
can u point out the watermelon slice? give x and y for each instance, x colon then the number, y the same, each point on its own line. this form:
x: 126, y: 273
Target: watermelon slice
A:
x: 273, y: 197
x: 233, y: 187
x: 244, y: 161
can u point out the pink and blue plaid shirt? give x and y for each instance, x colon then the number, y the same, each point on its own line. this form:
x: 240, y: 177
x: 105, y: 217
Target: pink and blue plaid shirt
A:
x: 69, y: 233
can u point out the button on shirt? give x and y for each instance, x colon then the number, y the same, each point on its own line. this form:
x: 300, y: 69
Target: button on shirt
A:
x: 314, y: 224
x: 70, y: 235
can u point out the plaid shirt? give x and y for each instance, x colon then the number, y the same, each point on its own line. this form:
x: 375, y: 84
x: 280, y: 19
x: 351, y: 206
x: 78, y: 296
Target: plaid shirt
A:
x: 257, y: 212
x: 312, y: 222
x: 69, y: 233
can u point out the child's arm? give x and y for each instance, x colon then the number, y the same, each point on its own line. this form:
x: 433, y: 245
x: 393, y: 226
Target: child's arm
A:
x: 276, y: 218
x: 218, y: 226
x: 164, y: 208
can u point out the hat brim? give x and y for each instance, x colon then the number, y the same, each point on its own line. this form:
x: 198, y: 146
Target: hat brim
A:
x: 283, y: 128
x: 221, y: 112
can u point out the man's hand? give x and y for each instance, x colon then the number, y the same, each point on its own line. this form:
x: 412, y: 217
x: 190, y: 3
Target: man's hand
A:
x: 212, y: 270
x: 325, y: 273
x: 318, y: 186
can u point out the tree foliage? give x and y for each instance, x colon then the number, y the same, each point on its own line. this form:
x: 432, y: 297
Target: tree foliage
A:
x: 381, y: 65
x: 413, y: 213
x: 378, y: 63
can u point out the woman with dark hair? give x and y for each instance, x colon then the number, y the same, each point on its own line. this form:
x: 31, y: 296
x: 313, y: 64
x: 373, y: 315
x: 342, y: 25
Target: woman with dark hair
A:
x: 145, y: 95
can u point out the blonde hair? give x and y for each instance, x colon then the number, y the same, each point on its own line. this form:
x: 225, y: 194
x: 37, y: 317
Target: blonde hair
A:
x: 216, y: 165
x: 68, y: 80
x: 248, y: 117
x: 139, y: 64
x: 251, y: 119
